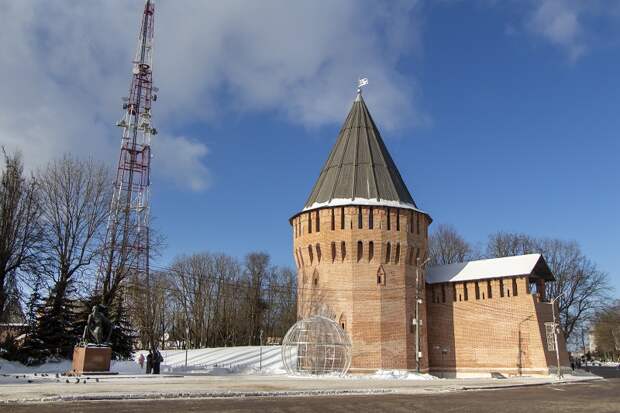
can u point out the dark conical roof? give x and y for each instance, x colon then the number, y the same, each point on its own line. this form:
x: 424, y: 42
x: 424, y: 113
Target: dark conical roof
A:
x: 359, y: 170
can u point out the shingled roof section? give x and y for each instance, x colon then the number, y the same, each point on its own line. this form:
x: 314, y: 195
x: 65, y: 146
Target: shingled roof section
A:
x: 360, y: 170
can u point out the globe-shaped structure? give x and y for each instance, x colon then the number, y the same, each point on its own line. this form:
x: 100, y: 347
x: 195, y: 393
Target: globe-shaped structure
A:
x: 316, y: 346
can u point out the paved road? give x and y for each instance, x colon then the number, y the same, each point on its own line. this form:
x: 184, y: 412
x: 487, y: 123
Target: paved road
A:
x: 598, y: 396
x: 606, y: 372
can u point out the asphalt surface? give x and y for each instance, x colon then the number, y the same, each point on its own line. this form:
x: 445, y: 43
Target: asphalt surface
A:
x: 597, y: 396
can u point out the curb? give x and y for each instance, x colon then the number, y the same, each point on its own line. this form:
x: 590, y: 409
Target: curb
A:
x: 195, y: 395
x: 511, y: 386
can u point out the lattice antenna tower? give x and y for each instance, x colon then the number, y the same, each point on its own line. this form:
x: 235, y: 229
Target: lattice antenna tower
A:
x: 126, y: 247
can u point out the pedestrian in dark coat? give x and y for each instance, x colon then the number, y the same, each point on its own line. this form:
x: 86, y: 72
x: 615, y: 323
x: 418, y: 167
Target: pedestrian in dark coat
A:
x: 149, y: 362
x: 157, y: 359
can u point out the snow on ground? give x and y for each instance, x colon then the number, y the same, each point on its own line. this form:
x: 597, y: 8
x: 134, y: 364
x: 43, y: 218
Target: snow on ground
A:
x: 51, y: 368
x: 222, y: 360
x: 401, y: 375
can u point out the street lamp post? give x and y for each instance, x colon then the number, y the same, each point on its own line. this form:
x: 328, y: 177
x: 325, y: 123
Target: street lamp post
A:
x: 186, y: 344
x: 260, y: 362
x: 555, y: 336
x: 418, y: 301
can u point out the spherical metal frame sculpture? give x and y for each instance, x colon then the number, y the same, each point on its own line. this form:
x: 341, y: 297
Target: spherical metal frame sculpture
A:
x: 316, y: 346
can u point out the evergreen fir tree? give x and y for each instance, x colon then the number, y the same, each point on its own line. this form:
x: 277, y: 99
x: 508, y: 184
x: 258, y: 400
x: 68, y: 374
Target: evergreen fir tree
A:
x: 57, y: 326
x: 123, y: 335
x: 33, y: 350
x: 33, y: 304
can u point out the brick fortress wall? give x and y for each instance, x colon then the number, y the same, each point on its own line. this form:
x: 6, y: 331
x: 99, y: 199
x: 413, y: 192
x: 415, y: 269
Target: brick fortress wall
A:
x: 472, y: 331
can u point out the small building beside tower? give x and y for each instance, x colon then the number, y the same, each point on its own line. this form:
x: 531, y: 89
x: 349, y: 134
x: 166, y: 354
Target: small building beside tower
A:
x: 360, y: 244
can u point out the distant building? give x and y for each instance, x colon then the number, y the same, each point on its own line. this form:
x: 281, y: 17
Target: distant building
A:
x: 357, y: 245
x: 12, y: 329
x: 591, y: 342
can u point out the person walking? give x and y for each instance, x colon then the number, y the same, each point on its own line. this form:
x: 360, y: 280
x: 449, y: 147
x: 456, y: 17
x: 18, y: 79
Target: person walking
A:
x: 141, y: 361
x: 149, y: 362
x: 157, y: 359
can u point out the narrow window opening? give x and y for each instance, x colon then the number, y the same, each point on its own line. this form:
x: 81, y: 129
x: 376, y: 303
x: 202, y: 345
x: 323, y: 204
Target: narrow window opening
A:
x: 343, y: 250
x: 410, y: 258
x: 388, y: 213
x: 483, y: 296
x: 333, y: 220
x: 309, y: 223
x: 507, y: 293
x: 318, y: 221
x: 443, y: 293
x: 417, y: 223
x: 465, y: 294
x: 453, y: 292
x: 360, y: 250
x: 378, y: 279
x: 360, y: 218
x: 397, y: 220
x: 501, y: 288
x: 411, y: 221
x: 489, y: 290
x: 371, y: 223
x: 310, y: 254
x: 342, y: 218
x: 460, y: 298
x: 514, y: 287
x: 397, y: 257
x: 333, y: 251
x: 316, y: 281
x: 388, y: 252
x: 318, y: 252
x: 371, y: 250
x: 477, y: 288
x: 301, y: 255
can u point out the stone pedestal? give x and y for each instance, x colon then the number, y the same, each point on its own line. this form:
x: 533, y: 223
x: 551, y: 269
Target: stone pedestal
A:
x: 91, y: 360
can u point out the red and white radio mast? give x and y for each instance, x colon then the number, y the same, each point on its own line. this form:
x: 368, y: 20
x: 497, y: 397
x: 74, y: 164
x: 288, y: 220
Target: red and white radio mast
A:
x: 126, y: 247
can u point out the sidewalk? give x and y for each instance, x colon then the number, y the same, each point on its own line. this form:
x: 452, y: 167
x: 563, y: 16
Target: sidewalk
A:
x: 46, y: 389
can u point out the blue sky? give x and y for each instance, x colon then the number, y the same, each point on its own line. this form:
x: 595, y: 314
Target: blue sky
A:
x: 499, y: 115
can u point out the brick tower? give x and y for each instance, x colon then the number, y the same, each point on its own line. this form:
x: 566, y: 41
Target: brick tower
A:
x: 356, y: 245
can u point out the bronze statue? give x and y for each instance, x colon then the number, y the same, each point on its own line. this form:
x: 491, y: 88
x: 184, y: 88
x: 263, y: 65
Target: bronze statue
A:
x: 96, y: 325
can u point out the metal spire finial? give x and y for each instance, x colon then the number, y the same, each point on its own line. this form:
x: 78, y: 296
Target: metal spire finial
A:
x: 361, y: 82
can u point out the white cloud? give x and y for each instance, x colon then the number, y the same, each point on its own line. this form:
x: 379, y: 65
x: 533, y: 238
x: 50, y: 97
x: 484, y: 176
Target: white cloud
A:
x: 181, y: 159
x: 558, y: 22
x: 65, y: 65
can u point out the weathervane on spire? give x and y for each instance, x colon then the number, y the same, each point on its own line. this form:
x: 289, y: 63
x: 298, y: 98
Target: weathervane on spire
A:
x: 361, y: 82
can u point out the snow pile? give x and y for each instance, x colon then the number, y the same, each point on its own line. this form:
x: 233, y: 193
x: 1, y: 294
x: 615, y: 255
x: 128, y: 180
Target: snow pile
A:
x: 401, y: 375
x: 62, y: 366
x: 51, y: 367
x: 222, y: 360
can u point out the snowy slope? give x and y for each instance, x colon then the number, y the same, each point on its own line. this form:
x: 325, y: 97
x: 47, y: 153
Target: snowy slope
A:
x: 223, y: 360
